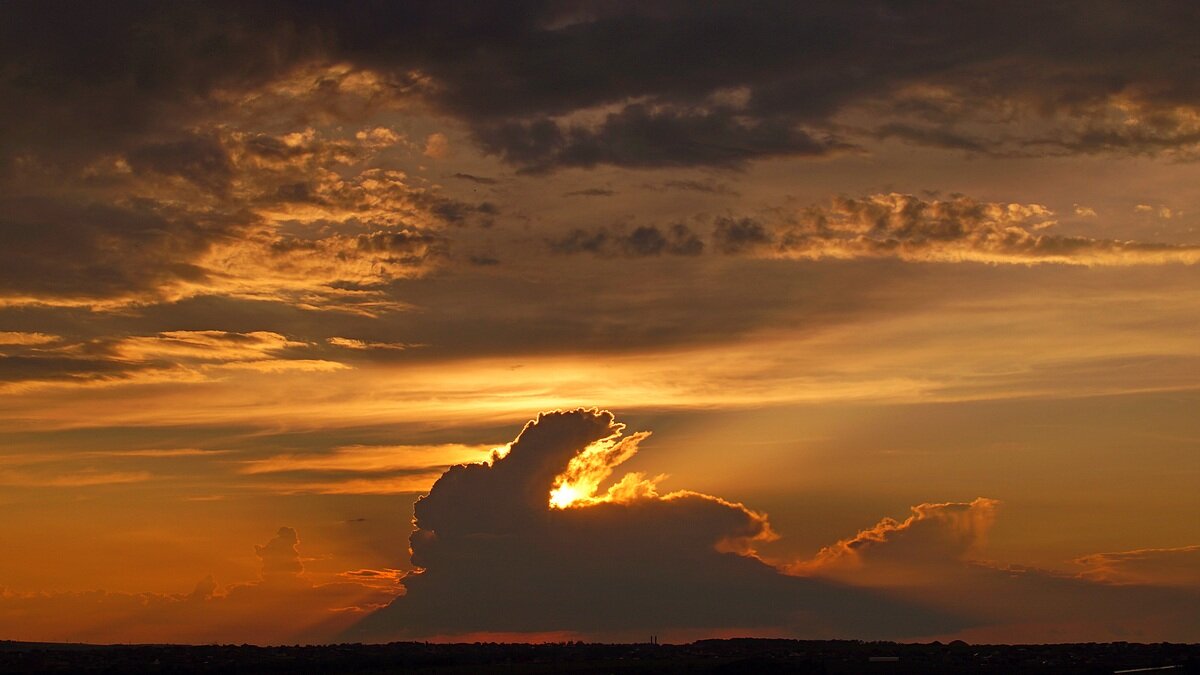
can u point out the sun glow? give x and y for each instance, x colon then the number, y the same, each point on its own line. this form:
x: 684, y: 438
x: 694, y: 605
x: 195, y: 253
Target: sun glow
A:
x: 565, y: 495
x: 578, y: 484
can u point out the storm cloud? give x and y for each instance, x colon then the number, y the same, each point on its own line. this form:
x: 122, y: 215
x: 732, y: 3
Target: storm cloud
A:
x: 534, y: 541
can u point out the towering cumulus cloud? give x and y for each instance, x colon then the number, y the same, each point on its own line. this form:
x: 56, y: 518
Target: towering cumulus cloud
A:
x: 529, y: 543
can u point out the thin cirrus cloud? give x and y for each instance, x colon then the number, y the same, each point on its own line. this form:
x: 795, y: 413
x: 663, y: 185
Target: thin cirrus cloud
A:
x: 363, y: 470
x: 1178, y: 566
x: 168, y: 356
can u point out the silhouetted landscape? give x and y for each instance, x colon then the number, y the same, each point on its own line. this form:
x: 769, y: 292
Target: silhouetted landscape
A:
x: 704, y: 656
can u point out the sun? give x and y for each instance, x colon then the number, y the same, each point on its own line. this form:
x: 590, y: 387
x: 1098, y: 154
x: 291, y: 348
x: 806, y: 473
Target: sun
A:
x: 565, y: 495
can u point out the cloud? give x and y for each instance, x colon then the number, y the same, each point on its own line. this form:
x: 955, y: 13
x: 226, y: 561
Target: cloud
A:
x: 366, y: 345
x: 362, y: 469
x: 61, y: 251
x: 641, y: 136
x: 692, y: 186
x: 301, y: 216
x: 437, y: 146
x: 933, y: 536
x: 481, y: 180
x: 673, y: 85
x: 934, y: 555
x: 280, y: 557
x: 1157, y: 566
x: 533, y: 541
x: 87, y: 478
x: 956, y: 229
x: 590, y: 192
x: 364, y: 458
x: 16, y: 338
x: 642, y: 241
x: 203, y: 345
x: 742, y: 234
x: 181, y: 356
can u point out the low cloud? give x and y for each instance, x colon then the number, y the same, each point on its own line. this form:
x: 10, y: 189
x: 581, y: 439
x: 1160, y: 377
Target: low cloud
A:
x: 934, y: 535
x: 1160, y: 566
x: 538, y: 540
x: 936, y: 555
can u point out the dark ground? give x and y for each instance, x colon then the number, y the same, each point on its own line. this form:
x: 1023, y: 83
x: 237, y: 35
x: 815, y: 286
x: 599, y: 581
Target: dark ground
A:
x: 706, y: 656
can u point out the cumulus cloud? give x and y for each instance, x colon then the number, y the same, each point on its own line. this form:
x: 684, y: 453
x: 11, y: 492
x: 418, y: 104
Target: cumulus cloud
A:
x: 280, y: 557
x: 932, y: 536
x: 534, y: 541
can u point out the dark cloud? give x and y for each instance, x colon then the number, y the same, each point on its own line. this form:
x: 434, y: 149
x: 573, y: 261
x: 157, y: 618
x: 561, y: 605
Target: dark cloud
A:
x: 709, y: 84
x: 200, y: 160
x: 280, y: 557
x: 692, y: 186
x: 483, y: 260
x: 955, y: 229
x: 931, y: 136
x: 640, y: 136
x: 482, y: 180
x: 640, y: 242
x: 409, y: 247
x: 58, y: 368
x: 63, y: 250
x: 159, y: 357
x: 735, y: 235
x: 494, y: 555
x: 590, y: 192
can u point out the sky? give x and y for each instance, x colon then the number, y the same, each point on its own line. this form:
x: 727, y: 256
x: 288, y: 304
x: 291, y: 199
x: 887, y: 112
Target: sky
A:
x: 596, y: 320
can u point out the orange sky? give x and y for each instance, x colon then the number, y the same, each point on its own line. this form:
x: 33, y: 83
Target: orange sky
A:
x: 907, y: 294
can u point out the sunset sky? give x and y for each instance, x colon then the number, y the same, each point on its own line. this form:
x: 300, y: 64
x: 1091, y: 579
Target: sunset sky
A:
x: 865, y: 319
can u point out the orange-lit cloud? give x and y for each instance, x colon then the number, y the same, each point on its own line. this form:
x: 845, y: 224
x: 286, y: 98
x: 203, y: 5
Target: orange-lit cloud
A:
x: 360, y: 458
x: 1157, y: 566
x: 364, y: 469
x: 934, y: 535
x: 957, y: 229
x: 26, y: 339
x: 930, y: 556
